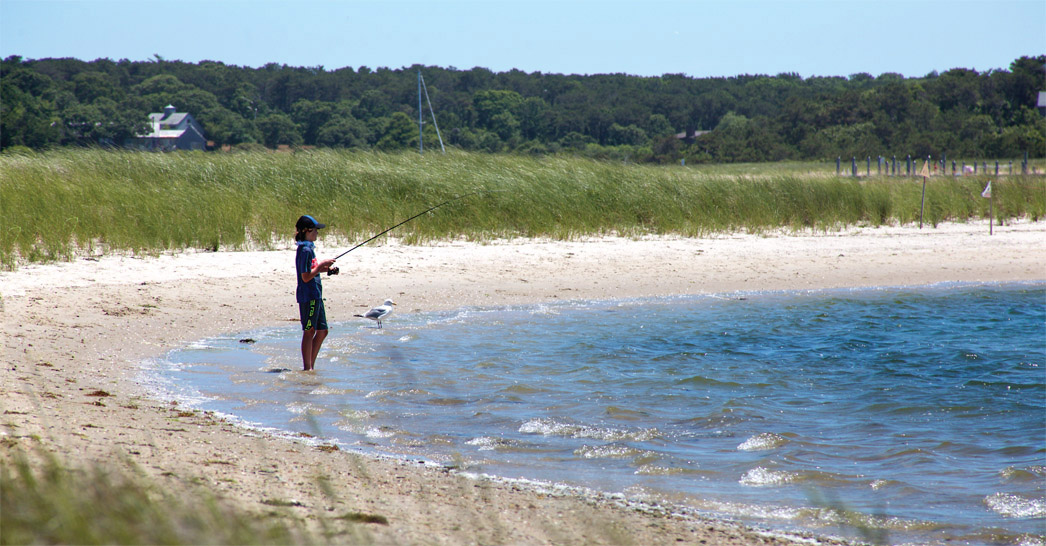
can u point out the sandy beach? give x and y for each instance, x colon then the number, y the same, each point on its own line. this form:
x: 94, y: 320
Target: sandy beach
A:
x: 71, y: 330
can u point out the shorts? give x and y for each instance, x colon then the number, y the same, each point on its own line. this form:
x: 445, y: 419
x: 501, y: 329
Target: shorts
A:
x: 313, y: 315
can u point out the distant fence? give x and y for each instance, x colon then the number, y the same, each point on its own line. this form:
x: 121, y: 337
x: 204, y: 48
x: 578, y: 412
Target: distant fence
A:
x: 909, y: 166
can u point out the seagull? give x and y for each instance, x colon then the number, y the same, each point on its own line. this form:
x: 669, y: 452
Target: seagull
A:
x: 379, y: 312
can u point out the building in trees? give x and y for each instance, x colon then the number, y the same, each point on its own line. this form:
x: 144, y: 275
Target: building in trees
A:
x: 171, y: 130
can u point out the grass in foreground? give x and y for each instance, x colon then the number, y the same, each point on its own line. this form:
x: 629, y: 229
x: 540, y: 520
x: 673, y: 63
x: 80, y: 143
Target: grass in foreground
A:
x: 44, y: 502
x: 56, y: 204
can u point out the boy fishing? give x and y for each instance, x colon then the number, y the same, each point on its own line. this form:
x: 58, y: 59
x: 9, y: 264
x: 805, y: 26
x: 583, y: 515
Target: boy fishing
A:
x: 310, y: 289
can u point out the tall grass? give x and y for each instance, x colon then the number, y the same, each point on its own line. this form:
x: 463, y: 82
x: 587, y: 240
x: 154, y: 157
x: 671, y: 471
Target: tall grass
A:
x: 49, y: 503
x: 55, y: 204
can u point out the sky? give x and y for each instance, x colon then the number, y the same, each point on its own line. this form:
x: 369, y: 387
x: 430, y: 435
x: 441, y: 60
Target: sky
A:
x: 698, y: 38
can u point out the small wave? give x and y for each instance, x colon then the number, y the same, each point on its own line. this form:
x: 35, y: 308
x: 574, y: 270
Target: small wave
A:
x: 388, y: 393
x: 522, y: 389
x: 763, y: 442
x: 625, y: 414
x: 544, y: 310
x: 1014, y: 506
x: 305, y: 408
x: 612, y: 451
x: 1031, y: 473
x: 1029, y: 540
x: 371, y: 432
x: 357, y: 414
x: 552, y: 427
x: 325, y: 390
x: 763, y: 477
x: 447, y: 401
x: 503, y: 445
x: 876, y: 485
x: 1005, y: 385
x: 708, y: 382
x: 661, y: 470
x: 488, y: 443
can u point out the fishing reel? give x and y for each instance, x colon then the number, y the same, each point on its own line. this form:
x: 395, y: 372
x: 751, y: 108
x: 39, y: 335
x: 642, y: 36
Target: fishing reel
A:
x: 333, y: 271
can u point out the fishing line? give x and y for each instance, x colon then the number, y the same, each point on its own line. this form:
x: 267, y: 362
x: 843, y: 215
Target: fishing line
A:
x: 422, y: 213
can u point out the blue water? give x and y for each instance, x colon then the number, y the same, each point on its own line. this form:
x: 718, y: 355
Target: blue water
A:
x: 892, y: 414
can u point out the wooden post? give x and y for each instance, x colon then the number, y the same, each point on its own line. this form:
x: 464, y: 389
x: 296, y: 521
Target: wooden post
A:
x: 987, y: 193
x: 922, y: 202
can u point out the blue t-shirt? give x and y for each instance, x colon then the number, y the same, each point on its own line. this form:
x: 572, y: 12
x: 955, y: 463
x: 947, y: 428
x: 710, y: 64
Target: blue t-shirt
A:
x: 304, y: 261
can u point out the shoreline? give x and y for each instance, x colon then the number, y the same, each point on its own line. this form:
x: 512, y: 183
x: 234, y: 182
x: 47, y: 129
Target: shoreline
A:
x: 72, y: 329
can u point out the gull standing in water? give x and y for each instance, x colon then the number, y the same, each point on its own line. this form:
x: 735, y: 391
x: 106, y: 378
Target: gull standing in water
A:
x: 379, y: 312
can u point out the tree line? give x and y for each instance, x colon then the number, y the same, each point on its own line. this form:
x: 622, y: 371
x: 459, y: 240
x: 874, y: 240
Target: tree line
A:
x: 747, y: 118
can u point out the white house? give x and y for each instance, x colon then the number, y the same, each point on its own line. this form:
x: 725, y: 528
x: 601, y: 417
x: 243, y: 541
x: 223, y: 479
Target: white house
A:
x: 171, y: 130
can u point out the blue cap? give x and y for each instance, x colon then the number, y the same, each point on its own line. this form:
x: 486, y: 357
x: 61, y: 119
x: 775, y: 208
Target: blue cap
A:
x: 308, y: 222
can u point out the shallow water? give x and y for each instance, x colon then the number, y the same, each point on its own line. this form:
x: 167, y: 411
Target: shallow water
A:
x: 891, y: 414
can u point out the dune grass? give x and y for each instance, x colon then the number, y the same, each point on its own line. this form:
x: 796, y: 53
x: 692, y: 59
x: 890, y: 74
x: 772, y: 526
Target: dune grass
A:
x: 56, y: 204
x: 48, y: 503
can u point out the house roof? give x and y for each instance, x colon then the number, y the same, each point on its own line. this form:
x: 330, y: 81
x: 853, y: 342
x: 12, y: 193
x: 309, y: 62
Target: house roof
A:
x: 157, y: 120
x: 167, y: 133
x: 173, y: 119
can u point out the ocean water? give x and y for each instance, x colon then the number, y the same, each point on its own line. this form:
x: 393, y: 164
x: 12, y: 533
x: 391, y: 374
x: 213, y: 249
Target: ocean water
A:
x: 894, y: 415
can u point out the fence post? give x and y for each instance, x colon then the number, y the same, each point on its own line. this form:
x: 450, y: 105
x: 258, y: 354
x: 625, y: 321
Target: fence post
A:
x: 838, y: 165
x: 868, y: 169
x: 953, y: 168
x: 908, y: 166
x: 1024, y: 165
x: 853, y: 166
x: 894, y: 165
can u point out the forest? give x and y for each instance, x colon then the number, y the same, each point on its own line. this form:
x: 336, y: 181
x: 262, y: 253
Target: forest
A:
x: 960, y: 112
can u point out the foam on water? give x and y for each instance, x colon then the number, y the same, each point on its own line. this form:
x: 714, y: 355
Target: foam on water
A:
x: 916, y: 413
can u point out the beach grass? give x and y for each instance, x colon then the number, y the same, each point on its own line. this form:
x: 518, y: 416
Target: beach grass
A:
x: 46, y: 502
x: 59, y: 204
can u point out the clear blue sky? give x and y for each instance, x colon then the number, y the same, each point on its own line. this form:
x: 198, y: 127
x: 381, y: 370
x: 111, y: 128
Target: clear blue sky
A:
x: 700, y: 38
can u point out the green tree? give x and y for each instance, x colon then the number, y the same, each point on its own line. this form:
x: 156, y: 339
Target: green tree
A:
x: 223, y: 126
x: 533, y: 113
x: 399, y: 132
x: 490, y: 104
x: 630, y: 135
x: 658, y: 126
x: 91, y: 86
x: 344, y: 132
x: 25, y: 120
x: 278, y: 128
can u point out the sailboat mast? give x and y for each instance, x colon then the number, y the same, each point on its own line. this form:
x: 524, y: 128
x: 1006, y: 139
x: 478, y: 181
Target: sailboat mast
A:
x: 421, y: 133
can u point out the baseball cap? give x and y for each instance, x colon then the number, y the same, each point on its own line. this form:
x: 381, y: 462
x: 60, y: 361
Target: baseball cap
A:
x: 308, y: 222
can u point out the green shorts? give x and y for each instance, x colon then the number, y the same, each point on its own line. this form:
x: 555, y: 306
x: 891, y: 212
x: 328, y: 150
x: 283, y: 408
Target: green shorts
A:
x: 313, y: 315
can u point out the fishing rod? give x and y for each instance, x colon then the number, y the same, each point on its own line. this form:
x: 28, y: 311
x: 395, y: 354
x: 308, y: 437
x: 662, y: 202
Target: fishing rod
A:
x: 422, y: 213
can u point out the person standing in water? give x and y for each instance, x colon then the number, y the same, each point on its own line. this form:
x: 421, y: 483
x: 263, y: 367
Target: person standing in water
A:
x: 310, y: 290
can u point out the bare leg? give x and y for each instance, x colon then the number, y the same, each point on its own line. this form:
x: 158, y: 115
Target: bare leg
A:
x: 308, y: 353
x: 316, y: 343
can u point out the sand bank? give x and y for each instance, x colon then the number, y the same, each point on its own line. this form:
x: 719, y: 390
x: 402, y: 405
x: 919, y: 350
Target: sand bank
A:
x: 72, y: 329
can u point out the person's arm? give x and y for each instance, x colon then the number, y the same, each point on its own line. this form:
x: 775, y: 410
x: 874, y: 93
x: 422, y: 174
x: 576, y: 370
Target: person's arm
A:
x: 325, y: 265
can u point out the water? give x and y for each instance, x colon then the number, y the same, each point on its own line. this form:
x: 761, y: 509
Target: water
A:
x: 894, y: 414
